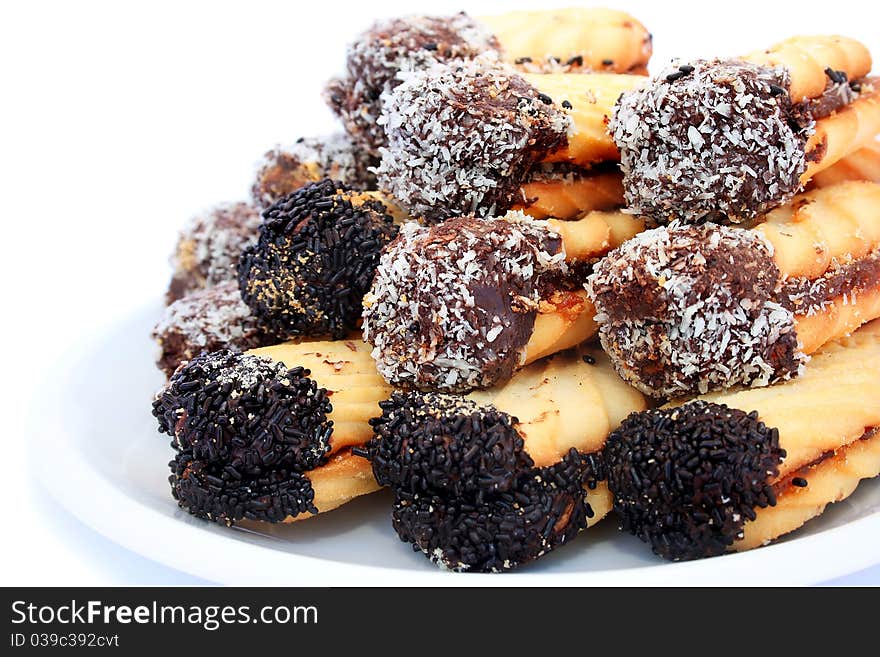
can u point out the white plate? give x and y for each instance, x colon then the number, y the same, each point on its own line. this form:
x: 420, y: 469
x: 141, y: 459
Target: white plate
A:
x: 101, y: 458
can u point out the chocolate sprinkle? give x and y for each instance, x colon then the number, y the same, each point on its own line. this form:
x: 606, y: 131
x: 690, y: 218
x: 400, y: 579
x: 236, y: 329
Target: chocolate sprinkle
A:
x: 717, y: 143
x: 244, y: 428
x: 546, y: 508
x: 310, y: 159
x: 317, y: 250
x: 463, y: 136
x: 213, y: 492
x: 429, y: 443
x: 687, y: 479
x: 453, y: 306
x: 688, y: 309
x: 246, y: 411
x: 392, y: 47
x: 466, y: 493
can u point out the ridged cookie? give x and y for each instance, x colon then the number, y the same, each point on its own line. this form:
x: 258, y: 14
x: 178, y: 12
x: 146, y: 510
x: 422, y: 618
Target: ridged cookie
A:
x: 807, y: 57
x: 735, y: 470
x: 589, y: 37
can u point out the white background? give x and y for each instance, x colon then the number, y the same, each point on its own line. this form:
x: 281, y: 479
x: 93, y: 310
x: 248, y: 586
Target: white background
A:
x: 119, y: 121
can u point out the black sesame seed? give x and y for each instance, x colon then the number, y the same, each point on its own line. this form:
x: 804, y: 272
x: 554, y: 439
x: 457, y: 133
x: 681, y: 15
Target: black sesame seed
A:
x: 672, y: 77
x: 687, y: 69
x: 776, y: 90
x: 800, y: 482
x: 430, y: 46
x: 566, y: 104
x: 544, y: 98
x: 589, y: 360
x: 577, y: 60
x: 607, y: 62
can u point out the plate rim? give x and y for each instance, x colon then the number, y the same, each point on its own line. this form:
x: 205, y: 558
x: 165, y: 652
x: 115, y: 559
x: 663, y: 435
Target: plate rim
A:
x: 134, y: 524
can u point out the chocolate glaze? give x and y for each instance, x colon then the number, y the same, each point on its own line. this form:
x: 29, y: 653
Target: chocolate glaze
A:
x: 286, y: 169
x: 805, y: 296
x: 462, y: 137
x: 452, y: 307
x: 686, y: 479
x: 685, y: 309
x: 835, y: 96
x: 209, y: 246
x: 206, y: 320
x: 715, y: 140
x: 392, y: 46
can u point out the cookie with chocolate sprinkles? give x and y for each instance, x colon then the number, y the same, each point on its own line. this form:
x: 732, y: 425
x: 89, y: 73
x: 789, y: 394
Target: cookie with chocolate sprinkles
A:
x: 715, y: 140
x: 685, y: 309
x: 206, y: 320
x: 462, y: 136
x: 286, y: 169
x: 217, y: 492
x: 685, y: 480
x: 246, y: 413
x: 452, y: 306
x: 543, y: 510
x: 209, y: 246
x: 317, y: 250
x: 392, y: 46
x: 445, y: 444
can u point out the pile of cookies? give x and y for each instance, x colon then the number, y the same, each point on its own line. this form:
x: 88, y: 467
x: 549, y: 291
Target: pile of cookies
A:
x: 529, y: 286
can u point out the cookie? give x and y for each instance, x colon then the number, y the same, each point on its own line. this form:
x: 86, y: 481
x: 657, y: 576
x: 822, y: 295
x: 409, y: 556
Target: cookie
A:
x: 463, y: 137
x: 687, y: 309
x: 728, y: 140
x: 209, y: 246
x: 732, y: 471
x: 492, y: 480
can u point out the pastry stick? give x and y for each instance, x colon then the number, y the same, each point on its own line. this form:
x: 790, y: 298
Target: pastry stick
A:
x: 343, y: 478
x: 570, y: 196
x: 494, y: 479
x: 257, y: 438
x: 588, y: 38
x: 345, y: 369
x: 463, y: 137
x: 864, y: 164
x: 248, y: 431
x: 463, y: 304
x: 217, y: 318
x: 685, y: 310
x: 737, y: 470
x: 846, y: 131
x: 559, y: 40
x: 731, y: 139
x: 807, y: 58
